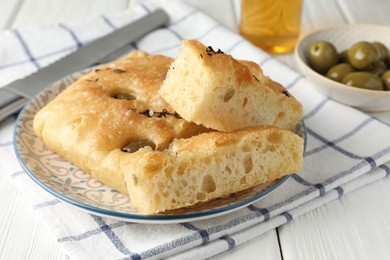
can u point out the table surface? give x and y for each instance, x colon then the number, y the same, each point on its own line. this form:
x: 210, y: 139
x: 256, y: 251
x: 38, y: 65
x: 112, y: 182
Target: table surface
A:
x: 354, y: 227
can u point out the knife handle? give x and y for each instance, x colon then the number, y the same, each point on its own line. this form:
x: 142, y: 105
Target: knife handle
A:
x: 10, y: 103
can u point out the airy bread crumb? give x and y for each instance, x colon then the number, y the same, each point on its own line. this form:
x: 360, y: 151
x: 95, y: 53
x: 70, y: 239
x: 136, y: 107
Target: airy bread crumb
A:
x: 210, y: 165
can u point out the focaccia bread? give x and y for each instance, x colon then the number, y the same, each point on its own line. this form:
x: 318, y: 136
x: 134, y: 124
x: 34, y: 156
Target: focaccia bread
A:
x: 115, y: 105
x: 210, y: 165
x: 113, y: 124
x: 211, y: 88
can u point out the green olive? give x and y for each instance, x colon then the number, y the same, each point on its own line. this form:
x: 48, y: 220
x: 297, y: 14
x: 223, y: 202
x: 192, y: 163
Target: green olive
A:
x: 377, y: 68
x: 125, y: 96
x: 322, y: 56
x: 382, y: 51
x: 386, y: 80
x: 362, y: 79
x: 362, y: 54
x: 337, y: 72
x: 134, y: 146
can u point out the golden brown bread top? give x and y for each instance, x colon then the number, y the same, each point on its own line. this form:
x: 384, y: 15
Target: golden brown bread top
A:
x: 246, y: 71
x: 89, y: 106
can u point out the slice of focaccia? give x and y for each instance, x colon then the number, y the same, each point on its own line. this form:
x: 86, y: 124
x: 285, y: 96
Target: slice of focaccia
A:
x: 213, y: 89
x: 210, y: 165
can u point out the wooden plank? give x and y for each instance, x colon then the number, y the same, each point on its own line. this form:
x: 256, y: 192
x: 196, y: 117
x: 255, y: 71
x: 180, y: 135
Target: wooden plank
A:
x: 22, y: 234
x: 355, y: 227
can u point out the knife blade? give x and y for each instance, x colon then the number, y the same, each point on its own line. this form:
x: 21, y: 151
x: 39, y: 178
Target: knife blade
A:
x: 16, y: 94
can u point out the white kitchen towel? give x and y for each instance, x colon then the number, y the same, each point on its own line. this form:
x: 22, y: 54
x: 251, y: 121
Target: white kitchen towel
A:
x: 346, y: 149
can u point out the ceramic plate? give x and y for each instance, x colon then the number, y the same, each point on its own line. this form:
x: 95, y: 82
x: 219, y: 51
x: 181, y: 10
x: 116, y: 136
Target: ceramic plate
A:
x: 70, y: 184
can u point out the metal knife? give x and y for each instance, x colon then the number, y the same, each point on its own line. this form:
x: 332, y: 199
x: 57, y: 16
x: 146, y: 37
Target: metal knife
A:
x: 15, y: 95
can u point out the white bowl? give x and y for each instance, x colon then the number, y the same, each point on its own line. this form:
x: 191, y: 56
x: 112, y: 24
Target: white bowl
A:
x: 342, y: 38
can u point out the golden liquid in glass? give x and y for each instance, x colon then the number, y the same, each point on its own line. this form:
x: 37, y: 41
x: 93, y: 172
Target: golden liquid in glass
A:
x: 272, y: 25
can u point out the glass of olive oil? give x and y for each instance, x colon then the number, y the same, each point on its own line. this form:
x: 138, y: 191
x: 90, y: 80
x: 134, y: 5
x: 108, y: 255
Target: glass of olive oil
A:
x: 272, y: 25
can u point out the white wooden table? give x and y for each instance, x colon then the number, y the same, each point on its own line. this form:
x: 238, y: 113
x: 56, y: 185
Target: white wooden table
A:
x: 355, y: 227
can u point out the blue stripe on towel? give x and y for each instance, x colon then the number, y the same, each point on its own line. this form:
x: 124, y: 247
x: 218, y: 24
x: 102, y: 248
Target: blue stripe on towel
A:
x: 386, y: 168
x: 241, y: 40
x: 90, y: 233
x: 72, y: 34
x: 321, y: 188
x: 333, y: 145
x: 294, y: 82
x: 37, y: 58
x: 166, y: 48
x: 186, y: 16
x: 264, y: 212
x: 113, y: 27
x: 6, y: 144
x: 176, y: 243
x: 203, y: 233
x: 340, y: 191
x: 148, y: 11
x: 175, y: 33
x: 194, y: 236
x: 230, y: 241
x: 288, y: 216
x: 371, y: 161
x: 108, y: 22
x: 300, y: 180
x: 207, y: 32
x: 356, y: 167
x: 268, y: 58
x: 47, y: 203
x: 338, y: 140
x: 114, y: 238
x: 18, y: 173
x: 314, y: 111
x: 26, y: 48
